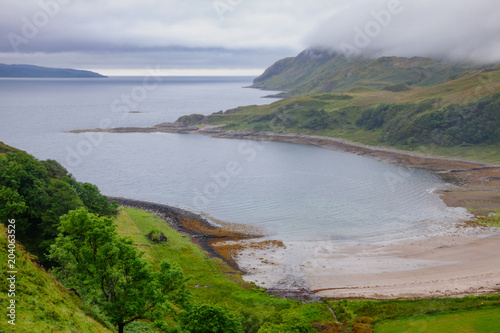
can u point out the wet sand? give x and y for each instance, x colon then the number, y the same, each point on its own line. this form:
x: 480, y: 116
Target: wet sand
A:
x: 462, y: 262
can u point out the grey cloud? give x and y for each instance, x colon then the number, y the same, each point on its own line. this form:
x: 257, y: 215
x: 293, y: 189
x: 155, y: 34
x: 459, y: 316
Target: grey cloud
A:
x: 459, y: 30
x: 168, y: 57
x: 195, y: 23
x: 250, y: 34
x: 173, y: 33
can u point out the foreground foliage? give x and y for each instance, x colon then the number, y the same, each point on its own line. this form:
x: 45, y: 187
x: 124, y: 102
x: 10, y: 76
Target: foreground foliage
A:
x: 42, y: 303
x: 37, y: 194
x: 109, y: 271
x: 201, y: 318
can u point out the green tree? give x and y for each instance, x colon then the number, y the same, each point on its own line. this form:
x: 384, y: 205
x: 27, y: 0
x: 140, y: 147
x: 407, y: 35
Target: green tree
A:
x: 55, y: 169
x: 92, y: 198
x: 11, y: 204
x: 37, y: 194
x: 205, y: 318
x: 62, y: 198
x: 107, y: 270
x: 23, y: 181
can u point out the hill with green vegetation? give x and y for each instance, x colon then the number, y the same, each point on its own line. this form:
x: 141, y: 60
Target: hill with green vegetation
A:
x: 459, y: 118
x: 42, y: 303
x: 5, y: 148
x: 37, y: 193
x: 31, y: 71
x: 321, y: 71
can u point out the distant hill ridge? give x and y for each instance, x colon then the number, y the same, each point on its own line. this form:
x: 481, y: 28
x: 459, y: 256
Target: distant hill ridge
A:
x: 320, y: 71
x: 31, y: 71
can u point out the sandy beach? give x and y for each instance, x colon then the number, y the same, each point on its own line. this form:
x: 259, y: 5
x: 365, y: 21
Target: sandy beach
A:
x: 463, y: 262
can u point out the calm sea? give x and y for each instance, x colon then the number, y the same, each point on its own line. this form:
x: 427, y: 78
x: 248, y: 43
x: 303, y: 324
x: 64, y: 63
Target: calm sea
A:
x: 293, y: 191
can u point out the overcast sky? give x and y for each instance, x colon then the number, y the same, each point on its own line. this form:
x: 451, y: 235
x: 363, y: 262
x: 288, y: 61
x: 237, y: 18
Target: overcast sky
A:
x: 238, y: 36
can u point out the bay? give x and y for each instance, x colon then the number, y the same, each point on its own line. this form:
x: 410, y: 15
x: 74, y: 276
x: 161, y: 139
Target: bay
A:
x: 294, y: 192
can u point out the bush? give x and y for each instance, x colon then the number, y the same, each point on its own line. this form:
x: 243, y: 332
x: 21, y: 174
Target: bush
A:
x: 157, y: 236
x: 204, y: 318
x: 291, y: 323
x: 329, y: 327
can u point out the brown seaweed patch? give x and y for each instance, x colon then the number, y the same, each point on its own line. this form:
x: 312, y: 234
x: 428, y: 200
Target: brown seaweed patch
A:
x: 230, y: 249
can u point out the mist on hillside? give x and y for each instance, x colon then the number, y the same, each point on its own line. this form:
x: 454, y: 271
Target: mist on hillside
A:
x: 448, y: 29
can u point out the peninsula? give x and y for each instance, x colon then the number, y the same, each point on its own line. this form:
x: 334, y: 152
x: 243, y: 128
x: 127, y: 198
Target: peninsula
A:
x: 31, y: 71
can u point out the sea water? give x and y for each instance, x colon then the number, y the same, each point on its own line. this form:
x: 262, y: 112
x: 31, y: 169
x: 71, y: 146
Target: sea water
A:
x: 293, y: 192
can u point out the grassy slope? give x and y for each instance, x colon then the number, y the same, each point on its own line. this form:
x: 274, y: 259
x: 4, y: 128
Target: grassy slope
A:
x: 42, y: 303
x: 315, y: 71
x: 466, y: 89
x: 212, y: 281
x: 483, y: 320
x: 5, y: 148
x: 426, y: 315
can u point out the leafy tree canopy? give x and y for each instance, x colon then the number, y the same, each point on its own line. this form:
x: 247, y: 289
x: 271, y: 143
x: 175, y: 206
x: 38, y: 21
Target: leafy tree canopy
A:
x: 109, y: 271
x: 38, y: 193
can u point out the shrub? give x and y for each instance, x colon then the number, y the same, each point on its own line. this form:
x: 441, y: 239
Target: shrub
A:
x: 205, y: 318
x: 157, y: 236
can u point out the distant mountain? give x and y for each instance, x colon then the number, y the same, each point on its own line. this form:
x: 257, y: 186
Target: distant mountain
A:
x: 44, y: 72
x: 319, y: 71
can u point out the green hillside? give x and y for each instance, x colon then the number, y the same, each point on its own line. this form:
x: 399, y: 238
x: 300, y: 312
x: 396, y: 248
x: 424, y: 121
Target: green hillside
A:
x: 318, y: 71
x: 42, y: 303
x: 459, y: 118
x: 483, y: 320
x: 5, y: 148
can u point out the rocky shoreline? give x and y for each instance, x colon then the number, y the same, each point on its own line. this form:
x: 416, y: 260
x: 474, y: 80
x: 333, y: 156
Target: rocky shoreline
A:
x: 220, y: 242
x: 388, y: 155
x: 201, y: 231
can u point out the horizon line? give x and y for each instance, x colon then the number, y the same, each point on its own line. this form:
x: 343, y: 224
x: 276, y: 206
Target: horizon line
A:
x: 178, y: 72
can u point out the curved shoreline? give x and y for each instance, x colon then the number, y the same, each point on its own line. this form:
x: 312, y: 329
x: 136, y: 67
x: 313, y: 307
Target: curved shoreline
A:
x: 477, y: 182
x: 466, y: 260
x: 389, y: 155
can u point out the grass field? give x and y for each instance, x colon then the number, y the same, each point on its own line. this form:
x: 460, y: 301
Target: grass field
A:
x: 486, y: 320
x: 213, y: 281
